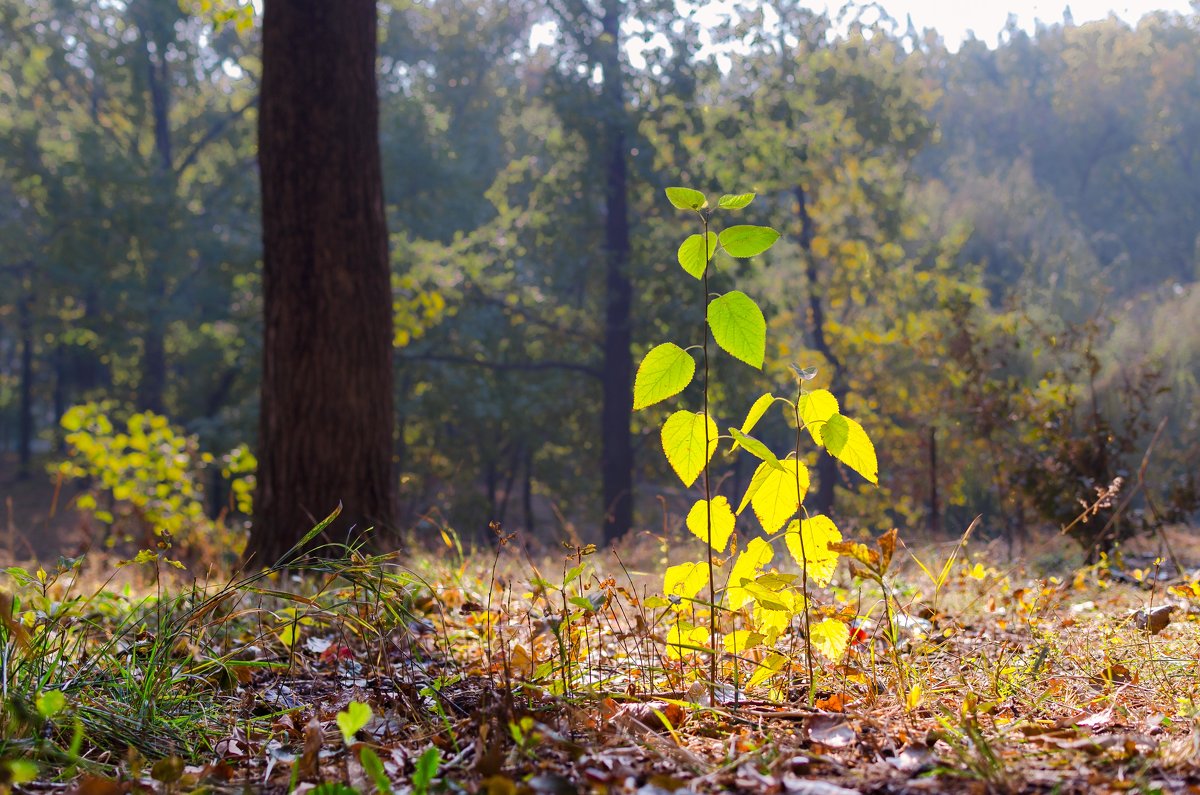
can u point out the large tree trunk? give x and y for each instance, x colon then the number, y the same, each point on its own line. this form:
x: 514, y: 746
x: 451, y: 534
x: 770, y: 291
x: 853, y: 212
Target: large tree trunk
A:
x: 617, y: 409
x: 326, y: 416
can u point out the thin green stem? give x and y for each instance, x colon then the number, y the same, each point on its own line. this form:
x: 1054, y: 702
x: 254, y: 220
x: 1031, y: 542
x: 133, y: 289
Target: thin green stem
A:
x: 712, y: 578
x: 808, y: 658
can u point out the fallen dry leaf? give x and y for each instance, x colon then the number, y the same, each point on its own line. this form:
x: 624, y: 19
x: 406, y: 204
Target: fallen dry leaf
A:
x: 1154, y: 619
x: 830, y: 730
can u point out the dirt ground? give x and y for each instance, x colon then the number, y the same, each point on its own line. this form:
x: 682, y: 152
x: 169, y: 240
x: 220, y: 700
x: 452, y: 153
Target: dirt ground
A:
x: 38, y: 521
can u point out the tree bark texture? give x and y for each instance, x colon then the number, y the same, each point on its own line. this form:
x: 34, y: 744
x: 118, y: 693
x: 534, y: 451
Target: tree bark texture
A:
x: 326, y: 419
x: 617, y: 408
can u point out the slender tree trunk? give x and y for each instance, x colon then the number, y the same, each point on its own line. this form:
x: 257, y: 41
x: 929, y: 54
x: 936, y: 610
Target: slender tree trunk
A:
x: 25, y: 409
x: 326, y: 419
x: 827, y: 472
x: 617, y: 409
x: 153, y: 382
x: 935, y: 505
x: 527, y: 494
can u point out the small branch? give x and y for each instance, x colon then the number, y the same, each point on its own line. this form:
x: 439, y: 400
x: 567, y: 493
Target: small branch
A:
x: 213, y: 132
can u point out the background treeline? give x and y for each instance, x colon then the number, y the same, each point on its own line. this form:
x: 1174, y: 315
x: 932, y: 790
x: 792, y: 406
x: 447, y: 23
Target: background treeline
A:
x: 990, y: 254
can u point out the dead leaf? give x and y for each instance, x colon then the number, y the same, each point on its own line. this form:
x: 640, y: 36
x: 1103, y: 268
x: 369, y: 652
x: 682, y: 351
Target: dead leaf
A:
x: 913, y: 759
x: 310, y: 761
x: 807, y: 786
x: 1153, y: 620
x: 834, y: 703
x: 830, y: 731
x: 1115, y: 674
x: 95, y: 785
x: 650, y: 714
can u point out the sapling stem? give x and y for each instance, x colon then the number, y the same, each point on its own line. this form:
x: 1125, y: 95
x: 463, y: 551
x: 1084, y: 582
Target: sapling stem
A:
x: 712, y: 581
x: 808, y: 658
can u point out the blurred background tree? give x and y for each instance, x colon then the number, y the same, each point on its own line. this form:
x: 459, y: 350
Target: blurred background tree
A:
x: 991, y: 251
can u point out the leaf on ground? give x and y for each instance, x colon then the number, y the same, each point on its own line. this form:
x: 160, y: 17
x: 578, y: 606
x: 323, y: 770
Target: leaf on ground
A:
x: 830, y: 731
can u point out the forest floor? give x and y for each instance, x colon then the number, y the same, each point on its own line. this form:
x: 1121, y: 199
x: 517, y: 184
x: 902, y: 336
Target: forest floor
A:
x: 485, y: 672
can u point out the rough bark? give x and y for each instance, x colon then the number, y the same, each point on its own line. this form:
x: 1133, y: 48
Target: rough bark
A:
x: 617, y: 408
x: 326, y: 419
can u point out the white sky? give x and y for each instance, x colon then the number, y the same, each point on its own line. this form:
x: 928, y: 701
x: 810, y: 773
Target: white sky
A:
x: 987, y: 18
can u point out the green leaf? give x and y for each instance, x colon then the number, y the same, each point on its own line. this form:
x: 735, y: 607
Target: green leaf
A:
x: 51, y: 703
x: 426, y: 768
x: 355, y: 716
x: 696, y: 252
x: 739, y: 327
x: 722, y: 522
x: 683, y: 442
x: 755, y: 448
x: 21, y: 771
x: 846, y: 441
x: 735, y: 201
x: 686, y: 198
x: 373, y: 767
x: 665, y: 371
x: 745, y: 240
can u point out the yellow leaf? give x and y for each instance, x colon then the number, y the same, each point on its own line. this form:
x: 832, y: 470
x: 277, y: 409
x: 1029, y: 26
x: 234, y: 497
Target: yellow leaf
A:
x: 685, y: 580
x: 846, y: 441
x: 686, y: 641
x: 772, y: 665
x: 816, y: 534
x: 741, y: 640
x: 683, y: 442
x: 773, y: 623
x: 755, y: 414
x: 722, y: 522
x: 830, y: 637
x: 816, y: 408
x: 758, y: 553
x: 773, y: 493
x: 915, y: 697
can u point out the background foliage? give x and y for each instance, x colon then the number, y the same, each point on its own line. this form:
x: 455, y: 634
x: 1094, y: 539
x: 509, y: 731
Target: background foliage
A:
x: 989, y: 255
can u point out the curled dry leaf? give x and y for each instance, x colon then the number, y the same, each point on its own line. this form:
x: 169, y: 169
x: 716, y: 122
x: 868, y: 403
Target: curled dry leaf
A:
x: 1153, y: 619
x: 830, y: 731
